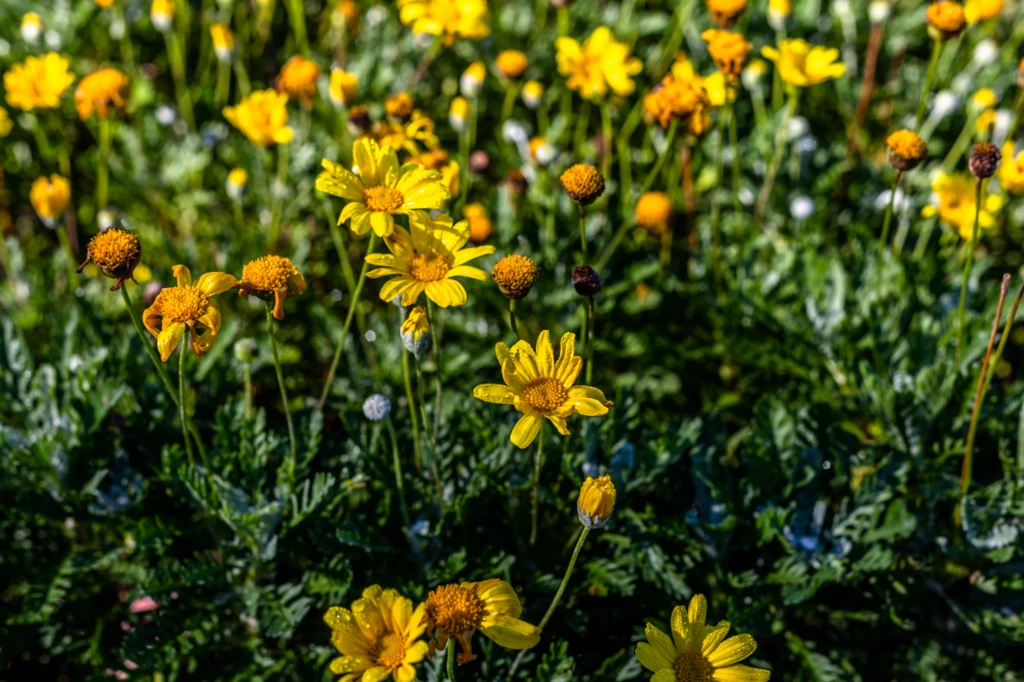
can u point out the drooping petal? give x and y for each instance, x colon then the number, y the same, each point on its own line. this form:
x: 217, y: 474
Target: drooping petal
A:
x: 151, y: 318
x: 213, y: 283
x: 559, y: 423
x: 589, y: 401
x: 350, y: 664
x: 511, y: 633
x: 169, y: 339
x: 393, y: 287
x: 382, y: 223
x: 182, y: 274
x: 405, y: 673
x: 526, y: 430
x: 499, y: 598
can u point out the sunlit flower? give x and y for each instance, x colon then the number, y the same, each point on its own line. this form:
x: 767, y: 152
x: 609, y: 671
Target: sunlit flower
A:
x: 680, y: 96
x: 1011, y: 171
x: 427, y: 258
x: 801, y: 64
x: 541, y: 387
x: 984, y: 98
x: 344, y: 86
x: 161, y: 12
x: 985, y: 120
x: 31, y: 27
x: 103, y: 92
x: 416, y: 334
x: 653, y: 212
x: 778, y: 10
x: 728, y: 49
x: 726, y: 12
x: 515, y: 275
x: 696, y: 651
x: 408, y: 136
x: 457, y: 114
x: 400, y: 106
x: 271, y: 278
x: 377, y: 188
x: 599, y: 65
x: 512, y: 63
x: 492, y: 607
x: 298, y: 79
x: 596, y: 502
x: 380, y: 637
x: 50, y: 196
x: 223, y: 41
x: 480, y: 226
x: 718, y: 90
x: 5, y: 123
x: 906, y: 149
x: 976, y: 11
x: 38, y: 82
x: 583, y: 183
x: 472, y: 79
x: 348, y: 12
x: 262, y: 117
x: 238, y: 178
x: 117, y: 252
x: 447, y: 18
x: 104, y: 4
x: 532, y: 93
x: 945, y: 19
x: 189, y: 307
x: 955, y: 205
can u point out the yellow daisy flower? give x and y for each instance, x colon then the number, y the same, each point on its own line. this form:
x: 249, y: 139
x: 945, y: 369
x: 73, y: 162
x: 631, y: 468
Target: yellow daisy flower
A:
x: 271, y: 276
x: 1011, y: 171
x: 448, y: 18
x: 427, y: 258
x: 955, y: 204
x: 223, y: 41
x: 298, y: 79
x: 377, y: 188
x: 981, y: 10
x: 541, y: 387
x: 697, y: 651
x: 801, y: 64
x: 343, y: 87
x: 38, y: 82
x: 188, y: 306
x: 378, y: 638
x: 102, y: 92
x: 405, y: 135
x: 599, y: 65
x: 490, y: 606
x: 50, y: 196
x: 262, y: 117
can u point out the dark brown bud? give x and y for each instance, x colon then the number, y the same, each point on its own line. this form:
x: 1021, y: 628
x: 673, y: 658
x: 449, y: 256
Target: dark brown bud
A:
x: 984, y: 160
x: 586, y: 280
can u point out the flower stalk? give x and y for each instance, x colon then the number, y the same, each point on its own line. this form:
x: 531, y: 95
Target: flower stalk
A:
x: 284, y: 393
x: 929, y: 80
x: 538, y: 462
x: 181, y: 399
x: 968, y: 262
x: 565, y: 579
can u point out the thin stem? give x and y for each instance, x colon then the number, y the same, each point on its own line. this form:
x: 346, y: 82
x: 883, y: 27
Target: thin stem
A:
x: 734, y: 145
x: 414, y: 418
x: 451, y: 659
x: 590, y: 340
x: 538, y: 462
x: 297, y: 17
x: 103, y: 166
x: 223, y: 83
x: 181, y: 399
x: 780, y: 145
x: 1011, y: 135
x: 968, y: 261
x: 665, y: 153
x: 583, y: 232
x: 284, y: 393
x: 177, y: 60
x: 511, y: 91
x: 397, y: 464
x: 435, y: 352
x: 433, y: 454
x: 1006, y: 336
x: 512, y: 318
x: 928, y: 81
x: 348, y: 324
x: 883, y: 241
x: 607, y: 142
x: 277, y: 195
x: 716, y: 209
x: 565, y: 579
x: 247, y: 378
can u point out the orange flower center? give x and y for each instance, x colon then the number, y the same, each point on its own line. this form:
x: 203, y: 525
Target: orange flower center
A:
x: 114, y: 248
x: 390, y: 650
x: 454, y: 610
x: 546, y: 394
x: 268, y: 273
x: 383, y: 199
x: 692, y: 667
x: 182, y: 304
x: 427, y: 267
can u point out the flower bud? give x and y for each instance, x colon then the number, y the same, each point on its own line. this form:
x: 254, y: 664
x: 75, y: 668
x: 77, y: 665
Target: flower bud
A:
x: 238, y: 178
x: 458, y: 113
x: 472, y: 79
x: 358, y: 121
x: 906, y: 150
x: 586, y: 280
x: 31, y: 27
x: 515, y: 275
x: 532, y: 93
x: 416, y: 333
x: 984, y: 160
x: 583, y: 183
x: 223, y: 41
x: 596, y: 502
x: 117, y: 252
x: 945, y: 20
x: 161, y: 12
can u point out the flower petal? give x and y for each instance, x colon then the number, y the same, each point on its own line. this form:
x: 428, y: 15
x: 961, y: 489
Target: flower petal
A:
x: 213, y: 283
x: 526, y: 430
x: 511, y: 633
x: 589, y: 401
x: 494, y: 393
x: 741, y: 673
x: 169, y: 339
x: 732, y: 650
x: 652, y: 658
x: 183, y: 276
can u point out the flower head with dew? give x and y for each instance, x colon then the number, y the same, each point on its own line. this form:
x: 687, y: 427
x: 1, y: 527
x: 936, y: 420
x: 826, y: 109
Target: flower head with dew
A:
x: 491, y: 606
x: 541, y: 387
x: 102, y: 92
x: 680, y: 96
x: 117, y: 252
x: 726, y: 13
x: 50, y: 196
x: 262, y: 117
x: 976, y: 11
x: 945, y: 20
x: 190, y: 306
x: 416, y: 333
x: 515, y: 275
x: 376, y: 408
x: 343, y: 87
x: 223, y: 41
x: 906, y: 150
x: 446, y: 18
x: 802, y: 65
x: 271, y: 278
x: 729, y: 50
x: 1011, y: 171
x: 38, y: 82
x: 427, y: 258
x: 953, y: 197
x: 378, y: 638
x: 583, y: 183
x: 697, y: 652
x: 377, y: 188
x: 298, y: 79
x: 596, y: 502
x: 601, y: 64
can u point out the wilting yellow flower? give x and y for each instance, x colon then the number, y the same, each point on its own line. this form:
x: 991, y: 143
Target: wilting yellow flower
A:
x: 906, y: 149
x: 103, y: 92
x: 238, y: 178
x: 980, y: 10
x: 5, y: 123
x: 697, y: 651
x: 596, y: 502
x: 448, y: 18
x: 801, y: 64
x: 427, y: 258
x: 457, y: 114
x: 491, y: 606
x: 262, y: 117
x: 117, y: 252
x: 187, y: 306
x: 472, y: 79
x: 599, y: 65
x: 344, y: 86
x: 31, y: 27
x: 512, y: 63
x: 298, y: 79
x: 400, y: 106
x: 681, y: 96
x: 223, y: 41
x: 956, y: 205
x: 515, y: 275
x: 532, y: 92
x: 271, y: 277
x: 38, y: 82
x: 378, y: 188
x: 480, y: 226
x: 161, y: 12
x: 945, y: 19
x: 728, y: 49
x: 541, y: 387
x: 378, y: 638
x: 50, y: 196
x: 1011, y: 171
x: 653, y: 212
x: 726, y: 12
x: 583, y: 183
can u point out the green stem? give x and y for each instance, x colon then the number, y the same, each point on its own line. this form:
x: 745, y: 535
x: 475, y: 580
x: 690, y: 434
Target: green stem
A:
x: 297, y: 17
x: 450, y: 655
x: 716, y: 209
x: 247, y: 377
x: 512, y: 318
x: 284, y: 394
x: 590, y: 340
x: 511, y: 90
x: 538, y: 462
x: 277, y: 195
x: 1011, y: 135
x: 608, y: 142
x: 665, y: 153
x: 436, y: 354
x: 397, y: 464
x: 177, y: 60
x: 734, y: 145
x: 780, y: 145
x: 583, y: 232
x: 884, y: 240
x: 414, y: 418
x: 1002, y: 341
x: 968, y: 261
x: 928, y: 81
x: 181, y: 398
x: 103, y: 166
x: 565, y: 579
x: 223, y: 83
x: 432, y: 454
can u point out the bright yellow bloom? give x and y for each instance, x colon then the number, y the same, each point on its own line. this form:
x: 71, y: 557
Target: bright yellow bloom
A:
x: 541, y: 387
x: 981, y: 10
x: 728, y: 49
x: 682, y: 96
x: 956, y: 205
x: 262, y: 117
x: 515, y: 275
x: 427, y: 258
x: 718, y: 90
x: 697, y: 651
x: 223, y: 41
x: 271, y: 277
x: 512, y: 63
x: 344, y: 86
x: 985, y: 120
x: 457, y: 114
x: 472, y: 79
x: 906, y: 149
x: 298, y: 79
x: 50, y: 196
x: 653, y: 212
x: 583, y: 183
x: 945, y: 19
x: 801, y: 64
x: 400, y: 106
x: 38, y: 82
x: 187, y: 306
x: 31, y: 26
x: 599, y: 65
x: 596, y: 501
x: 480, y: 225
x: 448, y: 18
x: 378, y: 638
x: 491, y: 606
x: 726, y: 12
x: 104, y: 4
x: 5, y: 123
x: 779, y: 8
x: 103, y: 92
x: 161, y: 13
x: 405, y: 135
x: 532, y: 92
x: 238, y: 178
x: 1011, y: 171
x: 117, y: 252
x: 377, y: 188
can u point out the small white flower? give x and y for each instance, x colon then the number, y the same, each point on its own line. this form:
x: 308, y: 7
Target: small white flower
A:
x: 878, y: 11
x: 801, y: 208
x: 945, y: 103
x: 165, y: 115
x: 376, y: 407
x: 31, y: 27
x: 986, y: 52
x: 798, y: 127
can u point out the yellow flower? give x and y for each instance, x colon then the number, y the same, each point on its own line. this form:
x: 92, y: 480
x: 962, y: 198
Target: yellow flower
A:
x: 956, y: 205
x: 457, y: 114
x: 161, y: 13
x: 50, y: 196
x: 653, y: 212
x: 599, y: 65
x: 5, y: 123
x: 427, y: 258
x: 512, y: 63
x: 262, y: 117
x: 985, y: 98
x: 480, y: 226
x: 417, y: 324
x: 906, y: 150
x: 400, y: 106
x: 405, y: 135
x: 187, y: 306
x: 448, y: 18
x: 1011, y: 172
x: 945, y: 19
x: 682, y: 96
x: 348, y: 12
x: 377, y: 188
x: 541, y: 387
x: 271, y: 277
x: 532, y: 92
x: 491, y: 606
x: 515, y: 275
x: 104, y: 4
x: 728, y: 49
x: 726, y: 12
x: 298, y: 79
x: 985, y: 120
x: 223, y: 41
x: 697, y: 651
x: 38, y: 82
x: 718, y: 90
x: 31, y: 27
x: 238, y: 178
x: 344, y: 86
x: 117, y: 252
x: 779, y: 9
x: 980, y: 10
x: 596, y: 502
x: 103, y: 92
x: 583, y: 183
x: 472, y: 79
x: 378, y: 638
x: 801, y: 64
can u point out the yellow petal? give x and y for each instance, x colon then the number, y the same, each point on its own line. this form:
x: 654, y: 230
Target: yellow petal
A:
x: 169, y: 339
x: 183, y: 276
x: 499, y: 598
x: 660, y: 641
x: 406, y: 673
x: 494, y: 393
x: 559, y: 423
x: 732, y: 650
x: 545, y: 355
x: 526, y: 430
x: 741, y: 673
x: 213, y: 283
x: 652, y: 658
x: 698, y: 609
x: 714, y: 637
x: 511, y: 633
x: 589, y: 401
